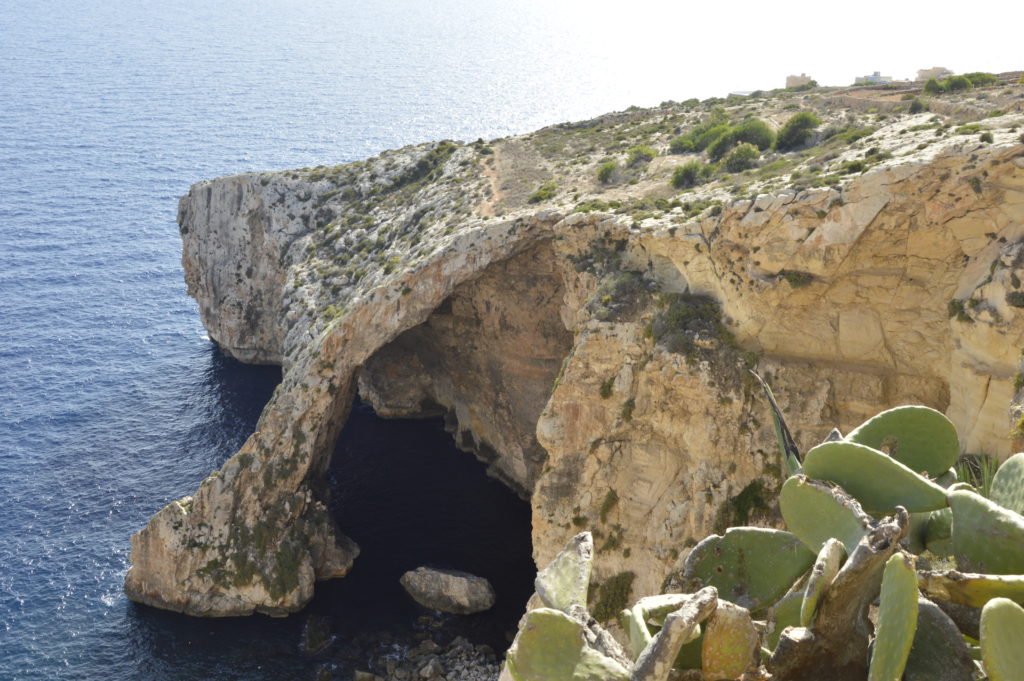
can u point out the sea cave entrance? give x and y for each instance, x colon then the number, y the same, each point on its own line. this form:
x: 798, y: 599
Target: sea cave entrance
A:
x: 409, y: 497
x: 449, y: 488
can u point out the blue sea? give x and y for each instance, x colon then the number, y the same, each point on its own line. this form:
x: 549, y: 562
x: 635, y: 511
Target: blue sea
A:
x: 112, y: 399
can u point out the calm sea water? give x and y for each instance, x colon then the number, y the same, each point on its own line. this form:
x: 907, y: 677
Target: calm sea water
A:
x: 112, y: 400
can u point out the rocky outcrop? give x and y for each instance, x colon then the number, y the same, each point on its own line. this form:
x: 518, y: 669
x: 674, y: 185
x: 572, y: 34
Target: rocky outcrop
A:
x: 594, y: 358
x: 450, y: 591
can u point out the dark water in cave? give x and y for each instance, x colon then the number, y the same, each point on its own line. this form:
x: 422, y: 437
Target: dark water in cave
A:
x: 406, y: 494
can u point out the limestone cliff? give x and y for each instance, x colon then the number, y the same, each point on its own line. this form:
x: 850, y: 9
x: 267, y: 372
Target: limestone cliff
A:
x: 590, y: 341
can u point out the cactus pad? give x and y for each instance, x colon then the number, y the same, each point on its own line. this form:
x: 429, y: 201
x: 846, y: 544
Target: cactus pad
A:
x: 815, y: 512
x: 878, y: 482
x: 1008, y: 484
x: 1002, y: 624
x: 920, y: 438
x: 730, y: 641
x: 657, y: 659
x: 564, y: 582
x: 938, y: 533
x: 986, y: 537
x: 897, y: 619
x: 829, y: 560
x: 785, y: 613
x: 750, y: 566
x: 551, y: 645
x: 971, y: 589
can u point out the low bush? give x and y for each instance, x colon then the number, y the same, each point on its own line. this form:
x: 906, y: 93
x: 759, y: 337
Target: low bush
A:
x: 741, y: 157
x: 639, y: 154
x: 721, y: 146
x: 956, y: 84
x: 756, y: 132
x: 980, y: 78
x: 681, y: 145
x: 606, y: 172
x: 933, y: 87
x: 687, y: 175
x: 544, y: 192
x: 796, y: 131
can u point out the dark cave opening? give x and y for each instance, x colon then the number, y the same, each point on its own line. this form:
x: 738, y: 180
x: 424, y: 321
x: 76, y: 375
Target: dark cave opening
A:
x: 409, y: 497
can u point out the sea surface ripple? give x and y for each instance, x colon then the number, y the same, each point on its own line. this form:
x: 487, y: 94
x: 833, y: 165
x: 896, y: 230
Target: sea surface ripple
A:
x: 114, y: 402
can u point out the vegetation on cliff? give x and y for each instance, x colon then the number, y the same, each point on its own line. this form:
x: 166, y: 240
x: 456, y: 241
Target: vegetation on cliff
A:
x: 877, y: 515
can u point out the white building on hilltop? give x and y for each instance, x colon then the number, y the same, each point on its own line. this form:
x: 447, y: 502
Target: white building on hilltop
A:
x: 874, y: 79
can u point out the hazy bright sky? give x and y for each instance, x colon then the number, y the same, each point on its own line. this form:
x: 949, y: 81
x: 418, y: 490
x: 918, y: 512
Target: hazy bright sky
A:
x: 722, y: 46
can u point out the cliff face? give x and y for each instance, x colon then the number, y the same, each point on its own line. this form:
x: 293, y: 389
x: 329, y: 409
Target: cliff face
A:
x: 595, y: 359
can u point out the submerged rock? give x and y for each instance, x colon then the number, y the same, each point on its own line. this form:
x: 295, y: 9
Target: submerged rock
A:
x: 452, y: 591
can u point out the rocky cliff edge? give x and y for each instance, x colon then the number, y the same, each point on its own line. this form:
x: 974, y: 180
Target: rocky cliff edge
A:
x: 589, y: 340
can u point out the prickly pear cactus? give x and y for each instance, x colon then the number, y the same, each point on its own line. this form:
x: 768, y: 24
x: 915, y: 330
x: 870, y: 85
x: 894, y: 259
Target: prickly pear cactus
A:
x: 920, y: 438
x: 986, y: 537
x: 647, y: 611
x: 1008, y: 484
x: 785, y: 613
x: 551, y: 646
x: 938, y: 533
x: 815, y: 512
x: 815, y: 621
x: 830, y: 558
x: 878, y: 482
x: 563, y: 584
x: 750, y: 566
x: 730, y: 641
x: 1002, y: 635
x: 897, y: 619
x: 972, y: 590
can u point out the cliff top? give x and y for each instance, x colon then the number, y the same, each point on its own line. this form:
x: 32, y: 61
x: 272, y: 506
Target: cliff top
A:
x: 666, y: 165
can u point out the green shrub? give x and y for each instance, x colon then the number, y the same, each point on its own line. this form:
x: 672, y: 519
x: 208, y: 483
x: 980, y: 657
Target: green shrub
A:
x: 917, y: 106
x: 687, y: 175
x: 986, y: 137
x: 796, y: 131
x: 933, y: 87
x: 741, y: 157
x: 980, y: 78
x: 705, y: 137
x: 853, y: 167
x: 606, y: 172
x: 956, y: 84
x: 848, y: 135
x: 756, y: 132
x: 641, y: 153
x: 544, y: 192
x: 721, y: 146
x: 681, y: 145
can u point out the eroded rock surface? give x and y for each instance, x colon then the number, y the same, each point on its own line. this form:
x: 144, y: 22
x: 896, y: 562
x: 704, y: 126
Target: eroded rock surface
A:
x: 595, y: 360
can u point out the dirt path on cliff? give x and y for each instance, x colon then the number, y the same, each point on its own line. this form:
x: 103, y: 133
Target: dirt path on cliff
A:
x: 515, y: 172
x: 491, y: 173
